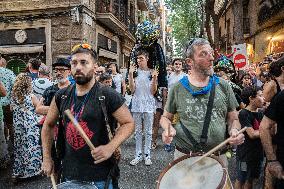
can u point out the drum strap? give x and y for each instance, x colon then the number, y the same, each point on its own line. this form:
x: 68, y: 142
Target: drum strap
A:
x: 114, y: 172
x: 204, y: 136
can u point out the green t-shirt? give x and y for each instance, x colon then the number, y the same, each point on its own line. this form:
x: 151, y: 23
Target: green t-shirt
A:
x: 1, y: 114
x: 192, y: 110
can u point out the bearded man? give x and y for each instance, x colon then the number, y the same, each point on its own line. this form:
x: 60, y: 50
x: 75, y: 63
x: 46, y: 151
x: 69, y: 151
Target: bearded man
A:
x: 83, y: 99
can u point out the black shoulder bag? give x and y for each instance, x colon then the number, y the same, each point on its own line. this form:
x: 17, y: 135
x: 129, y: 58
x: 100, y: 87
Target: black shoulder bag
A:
x: 199, y: 146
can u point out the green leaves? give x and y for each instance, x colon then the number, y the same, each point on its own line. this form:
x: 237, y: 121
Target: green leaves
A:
x: 185, y: 18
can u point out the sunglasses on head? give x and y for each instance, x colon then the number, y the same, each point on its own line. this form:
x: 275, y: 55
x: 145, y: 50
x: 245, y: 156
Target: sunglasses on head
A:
x: 84, y: 46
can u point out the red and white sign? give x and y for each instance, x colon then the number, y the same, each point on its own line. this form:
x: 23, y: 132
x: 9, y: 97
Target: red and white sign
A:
x: 240, y: 58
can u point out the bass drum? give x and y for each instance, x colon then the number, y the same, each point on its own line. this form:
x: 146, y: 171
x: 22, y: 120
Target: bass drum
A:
x: 76, y: 185
x: 208, y: 173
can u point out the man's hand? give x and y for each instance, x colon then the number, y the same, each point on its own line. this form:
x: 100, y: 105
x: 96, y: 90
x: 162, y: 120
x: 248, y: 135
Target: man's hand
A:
x: 155, y: 73
x: 236, y: 137
x: 276, y: 169
x: 132, y: 69
x: 168, y: 135
x: 102, y: 153
x: 47, y: 166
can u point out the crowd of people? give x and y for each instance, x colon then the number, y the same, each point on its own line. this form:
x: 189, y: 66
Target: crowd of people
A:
x: 205, y: 102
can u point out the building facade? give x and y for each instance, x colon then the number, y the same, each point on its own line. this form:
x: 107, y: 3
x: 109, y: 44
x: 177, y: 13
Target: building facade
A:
x: 263, y: 28
x: 48, y: 29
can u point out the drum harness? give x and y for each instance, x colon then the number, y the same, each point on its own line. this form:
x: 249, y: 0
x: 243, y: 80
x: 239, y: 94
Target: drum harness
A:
x: 199, y: 146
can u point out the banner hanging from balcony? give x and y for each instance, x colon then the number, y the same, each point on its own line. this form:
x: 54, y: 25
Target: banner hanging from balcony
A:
x: 147, y: 35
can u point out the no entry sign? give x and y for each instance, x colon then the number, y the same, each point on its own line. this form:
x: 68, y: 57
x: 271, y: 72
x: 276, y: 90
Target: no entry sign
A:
x: 240, y: 61
x: 240, y: 56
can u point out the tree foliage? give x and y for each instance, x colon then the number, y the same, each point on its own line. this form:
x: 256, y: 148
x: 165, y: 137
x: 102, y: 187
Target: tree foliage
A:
x: 186, y: 21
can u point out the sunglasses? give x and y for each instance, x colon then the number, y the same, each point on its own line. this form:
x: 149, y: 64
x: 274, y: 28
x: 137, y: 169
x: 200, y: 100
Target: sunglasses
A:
x: 84, y: 46
x: 190, y: 43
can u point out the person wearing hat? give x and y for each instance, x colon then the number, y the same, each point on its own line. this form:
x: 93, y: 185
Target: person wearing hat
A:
x: 42, y: 82
x: 61, y: 69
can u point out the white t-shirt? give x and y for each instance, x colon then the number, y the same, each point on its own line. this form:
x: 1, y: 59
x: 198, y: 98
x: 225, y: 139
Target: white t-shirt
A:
x: 39, y: 86
x: 117, y: 79
x: 174, y: 78
x: 143, y: 100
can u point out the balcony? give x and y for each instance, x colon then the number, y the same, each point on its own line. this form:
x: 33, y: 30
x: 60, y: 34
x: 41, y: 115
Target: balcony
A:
x: 132, y: 26
x: 246, y: 26
x: 115, y: 18
x: 143, y: 5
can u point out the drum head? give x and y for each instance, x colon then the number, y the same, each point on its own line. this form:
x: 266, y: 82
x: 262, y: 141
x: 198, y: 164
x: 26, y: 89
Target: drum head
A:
x: 206, y: 174
x: 76, y: 185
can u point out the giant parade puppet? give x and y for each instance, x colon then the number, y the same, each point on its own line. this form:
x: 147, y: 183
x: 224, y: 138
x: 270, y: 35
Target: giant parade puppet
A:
x: 147, y: 35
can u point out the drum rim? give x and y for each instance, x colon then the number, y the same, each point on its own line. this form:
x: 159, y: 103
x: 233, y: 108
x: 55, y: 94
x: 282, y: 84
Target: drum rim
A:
x: 221, y: 184
x: 75, y: 182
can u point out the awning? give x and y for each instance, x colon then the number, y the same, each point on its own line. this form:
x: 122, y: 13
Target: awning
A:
x: 21, y: 49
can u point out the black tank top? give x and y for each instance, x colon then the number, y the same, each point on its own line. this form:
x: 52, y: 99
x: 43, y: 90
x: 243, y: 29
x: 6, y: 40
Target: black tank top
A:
x: 277, y: 87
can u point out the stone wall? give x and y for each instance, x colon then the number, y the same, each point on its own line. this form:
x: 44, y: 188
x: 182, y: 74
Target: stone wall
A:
x: 22, y: 5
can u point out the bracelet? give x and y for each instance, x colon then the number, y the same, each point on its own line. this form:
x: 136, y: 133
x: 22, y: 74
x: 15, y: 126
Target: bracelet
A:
x: 271, y: 160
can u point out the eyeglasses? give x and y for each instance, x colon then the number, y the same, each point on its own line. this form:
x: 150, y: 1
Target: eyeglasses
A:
x: 178, y: 64
x: 84, y: 46
x: 61, y: 70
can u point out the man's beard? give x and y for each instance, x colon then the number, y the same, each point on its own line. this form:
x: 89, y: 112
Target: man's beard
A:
x: 61, y: 79
x: 205, y: 72
x: 83, y: 79
x: 208, y: 72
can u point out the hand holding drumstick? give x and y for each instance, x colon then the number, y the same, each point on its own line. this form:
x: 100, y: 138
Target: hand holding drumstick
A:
x: 100, y: 153
x: 217, y: 147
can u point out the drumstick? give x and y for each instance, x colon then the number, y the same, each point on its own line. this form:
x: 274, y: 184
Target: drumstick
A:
x: 216, y: 148
x: 53, y: 181
x: 79, y: 128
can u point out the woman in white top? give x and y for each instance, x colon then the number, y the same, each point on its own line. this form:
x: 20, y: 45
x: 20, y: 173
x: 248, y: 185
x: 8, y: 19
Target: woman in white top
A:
x: 143, y: 87
x: 117, y: 78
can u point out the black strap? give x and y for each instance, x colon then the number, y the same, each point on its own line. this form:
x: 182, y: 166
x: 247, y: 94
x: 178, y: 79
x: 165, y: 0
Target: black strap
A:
x: 277, y: 86
x: 110, y: 133
x: 198, y: 146
x: 204, y: 135
x: 104, y: 109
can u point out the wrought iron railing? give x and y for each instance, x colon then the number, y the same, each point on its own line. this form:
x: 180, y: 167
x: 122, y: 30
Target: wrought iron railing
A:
x: 132, y: 26
x: 118, y: 10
